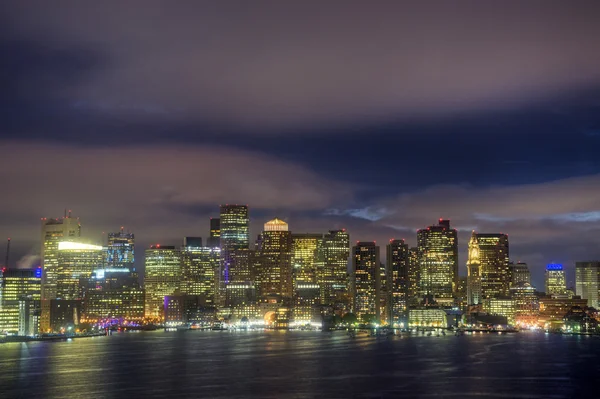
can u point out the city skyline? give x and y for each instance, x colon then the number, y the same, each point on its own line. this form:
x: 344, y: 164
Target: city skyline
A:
x: 31, y: 260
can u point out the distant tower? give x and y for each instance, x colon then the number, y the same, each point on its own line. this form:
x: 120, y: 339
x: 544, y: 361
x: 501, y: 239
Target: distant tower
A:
x: 53, y: 232
x: 438, y: 262
x: 556, y: 281
x: 366, y: 285
x: 473, y: 273
x: 214, y: 240
x: 495, y: 264
x: 586, y: 281
x: 332, y: 268
x: 398, y: 261
x: 274, y: 261
x: 121, y: 250
x: 162, y: 278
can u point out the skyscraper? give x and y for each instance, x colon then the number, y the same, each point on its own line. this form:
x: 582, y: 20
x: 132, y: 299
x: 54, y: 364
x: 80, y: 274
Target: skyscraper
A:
x: 15, y: 285
x: 120, y: 252
x: 520, y: 274
x: 214, y: 239
x: 413, y: 277
x: 473, y: 273
x: 398, y: 264
x: 438, y: 261
x: 556, y: 281
x: 274, y: 261
x: 234, y: 227
x: 76, y: 263
x: 53, y: 232
x: 304, y: 258
x: 495, y: 266
x: 162, y: 278
x: 332, y: 268
x: 199, y: 269
x: 586, y: 281
x: 234, y: 233
x: 366, y: 284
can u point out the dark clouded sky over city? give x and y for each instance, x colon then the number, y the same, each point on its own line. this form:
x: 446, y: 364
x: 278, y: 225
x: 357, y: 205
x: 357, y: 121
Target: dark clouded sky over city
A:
x: 379, y: 117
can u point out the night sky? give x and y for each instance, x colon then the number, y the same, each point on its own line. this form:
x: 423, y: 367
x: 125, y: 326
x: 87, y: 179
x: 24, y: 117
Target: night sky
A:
x: 380, y: 117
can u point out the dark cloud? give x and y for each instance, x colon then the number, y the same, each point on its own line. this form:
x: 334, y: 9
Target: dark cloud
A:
x: 269, y: 65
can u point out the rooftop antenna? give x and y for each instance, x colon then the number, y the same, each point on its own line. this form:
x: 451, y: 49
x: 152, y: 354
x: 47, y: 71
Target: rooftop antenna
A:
x: 7, y: 252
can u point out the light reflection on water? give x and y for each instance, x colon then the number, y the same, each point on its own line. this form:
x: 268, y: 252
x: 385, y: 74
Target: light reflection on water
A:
x: 300, y: 365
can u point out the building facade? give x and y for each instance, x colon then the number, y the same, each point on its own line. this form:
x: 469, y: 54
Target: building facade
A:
x: 76, y: 263
x: 18, y: 285
x: 332, y: 269
x: 586, y: 281
x: 273, y: 276
x: 495, y: 265
x: 366, y: 280
x: 556, y: 280
x: 397, y: 266
x: 438, y: 262
x: 162, y: 278
x: 473, y: 273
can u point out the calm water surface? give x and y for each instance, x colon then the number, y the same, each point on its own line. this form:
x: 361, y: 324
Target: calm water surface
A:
x: 195, y: 364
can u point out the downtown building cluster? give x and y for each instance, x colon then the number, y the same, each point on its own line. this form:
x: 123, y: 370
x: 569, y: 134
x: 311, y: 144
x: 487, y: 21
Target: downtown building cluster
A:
x: 284, y: 279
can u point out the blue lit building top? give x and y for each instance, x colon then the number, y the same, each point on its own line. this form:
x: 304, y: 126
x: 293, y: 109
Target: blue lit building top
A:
x: 554, y: 266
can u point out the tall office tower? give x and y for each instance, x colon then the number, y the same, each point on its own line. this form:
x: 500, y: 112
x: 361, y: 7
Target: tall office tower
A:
x: 366, y: 283
x: 438, y: 262
x: 586, y: 281
x: 53, y: 232
x: 495, y: 266
x: 120, y: 252
x: 332, y: 268
x: 17, y: 285
x: 398, y: 268
x: 162, y: 278
x: 214, y: 239
x: 234, y: 227
x: 192, y: 242
x: 556, y: 280
x: 413, y: 277
x: 304, y: 257
x: 234, y: 235
x: 473, y: 273
x: 520, y: 273
x: 76, y: 263
x: 113, y: 294
x: 274, y: 261
x: 199, y: 269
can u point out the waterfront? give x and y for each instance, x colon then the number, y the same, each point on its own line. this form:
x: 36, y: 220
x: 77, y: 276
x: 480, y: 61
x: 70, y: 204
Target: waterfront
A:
x: 301, y: 365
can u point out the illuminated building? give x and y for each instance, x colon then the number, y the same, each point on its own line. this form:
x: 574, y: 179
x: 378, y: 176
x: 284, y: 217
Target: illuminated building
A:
x: 162, y: 278
x: 556, y: 281
x: 199, y: 270
x: 274, y: 261
x: 234, y: 226
x: 427, y: 317
x: 307, y: 300
x: 520, y: 273
x: 29, y: 316
x: 397, y: 260
x: 586, y: 281
x: 332, y: 268
x: 214, y: 240
x: 527, y: 304
x: 461, y: 294
x: 53, y: 232
x: 505, y: 307
x: 366, y: 279
x: 17, y: 285
x: 413, y: 277
x: 76, y: 263
x: 120, y: 251
x: 438, y: 262
x: 304, y: 257
x: 237, y: 294
x: 554, y: 309
x: 113, y: 294
x: 473, y: 273
x: 495, y: 266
